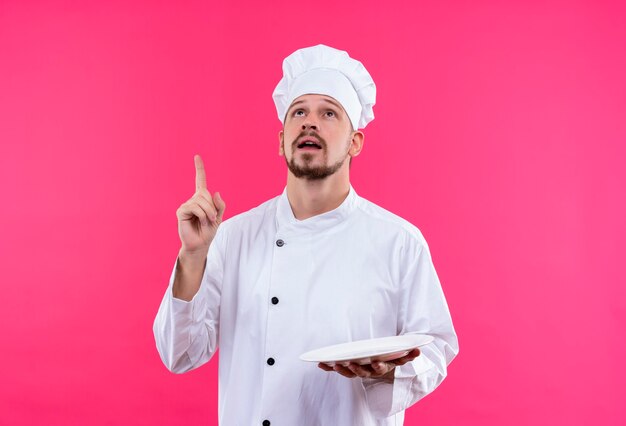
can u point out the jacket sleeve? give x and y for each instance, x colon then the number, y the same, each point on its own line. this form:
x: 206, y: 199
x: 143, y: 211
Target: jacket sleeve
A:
x: 423, y: 310
x: 186, y: 333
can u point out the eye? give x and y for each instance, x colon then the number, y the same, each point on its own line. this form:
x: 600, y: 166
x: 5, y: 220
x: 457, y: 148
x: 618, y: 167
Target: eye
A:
x: 298, y: 113
x: 330, y: 113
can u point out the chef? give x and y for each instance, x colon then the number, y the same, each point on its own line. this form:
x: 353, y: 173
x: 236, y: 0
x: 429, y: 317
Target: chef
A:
x: 315, y: 266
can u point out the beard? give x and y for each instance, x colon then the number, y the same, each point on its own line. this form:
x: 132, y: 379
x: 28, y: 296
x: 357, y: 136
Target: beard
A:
x: 308, y: 171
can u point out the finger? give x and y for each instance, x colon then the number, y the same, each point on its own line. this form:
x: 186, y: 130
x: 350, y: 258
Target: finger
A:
x: 220, y: 205
x: 200, y: 174
x: 200, y: 214
x: 381, y: 368
x: 325, y: 367
x: 208, y: 208
x: 359, y: 370
x: 188, y: 210
x: 368, y: 368
x: 344, y: 371
x: 415, y: 353
x: 206, y: 194
x: 408, y: 357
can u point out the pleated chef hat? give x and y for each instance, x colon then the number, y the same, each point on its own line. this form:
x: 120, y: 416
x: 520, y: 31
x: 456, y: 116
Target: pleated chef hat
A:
x: 323, y: 70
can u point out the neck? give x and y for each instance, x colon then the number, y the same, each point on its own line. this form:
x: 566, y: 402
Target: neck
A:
x: 311, y: 198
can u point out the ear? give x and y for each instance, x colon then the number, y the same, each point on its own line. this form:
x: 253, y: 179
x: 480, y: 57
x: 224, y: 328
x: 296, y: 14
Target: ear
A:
x: 281, y: 146
x: 356, y: 143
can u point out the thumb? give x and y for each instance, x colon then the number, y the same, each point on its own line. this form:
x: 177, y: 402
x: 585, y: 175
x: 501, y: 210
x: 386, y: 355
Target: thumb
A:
x: 219, y: 204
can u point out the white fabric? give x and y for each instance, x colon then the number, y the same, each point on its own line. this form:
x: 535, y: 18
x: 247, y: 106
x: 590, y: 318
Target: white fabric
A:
x: 332, y: 83
x: 327, y: 71
x: 356, y: 272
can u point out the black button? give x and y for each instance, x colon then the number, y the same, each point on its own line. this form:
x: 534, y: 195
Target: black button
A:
x: 270, y: 361
x: 280, y: 243
x: 275, y: 300
x: 266, y: 423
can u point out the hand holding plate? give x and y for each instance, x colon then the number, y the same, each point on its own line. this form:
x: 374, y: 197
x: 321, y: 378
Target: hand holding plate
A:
x: 376, y: 370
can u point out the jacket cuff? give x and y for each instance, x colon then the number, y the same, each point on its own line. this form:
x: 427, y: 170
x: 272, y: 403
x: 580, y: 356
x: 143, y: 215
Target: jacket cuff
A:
x: 385, y: 399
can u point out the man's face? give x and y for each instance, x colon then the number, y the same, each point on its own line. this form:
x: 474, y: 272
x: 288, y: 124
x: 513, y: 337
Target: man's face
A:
x: 317, y: 137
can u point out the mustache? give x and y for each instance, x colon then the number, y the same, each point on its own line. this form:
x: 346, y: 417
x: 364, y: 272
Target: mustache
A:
x: 312, y: 134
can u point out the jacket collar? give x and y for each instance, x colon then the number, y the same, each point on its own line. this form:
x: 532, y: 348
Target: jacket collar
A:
x: 286, y: 221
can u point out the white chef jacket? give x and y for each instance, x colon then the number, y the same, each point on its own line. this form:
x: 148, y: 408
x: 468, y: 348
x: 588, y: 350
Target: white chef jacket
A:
x: 275, y: 287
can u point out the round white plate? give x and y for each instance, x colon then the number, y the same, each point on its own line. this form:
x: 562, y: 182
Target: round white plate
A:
x: 368, y: 351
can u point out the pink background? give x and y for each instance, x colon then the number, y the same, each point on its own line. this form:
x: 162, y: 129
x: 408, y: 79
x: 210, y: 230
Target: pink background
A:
x: 500, y: 132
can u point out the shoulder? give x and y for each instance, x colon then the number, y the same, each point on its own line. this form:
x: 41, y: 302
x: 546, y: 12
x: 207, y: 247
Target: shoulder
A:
x: 382, y: 220
x: 250, y: 218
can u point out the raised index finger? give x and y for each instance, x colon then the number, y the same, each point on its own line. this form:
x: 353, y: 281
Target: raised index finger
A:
x: 200, y: 175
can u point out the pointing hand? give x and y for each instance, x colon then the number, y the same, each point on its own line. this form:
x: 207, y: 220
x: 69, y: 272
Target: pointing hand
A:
x: 200, y: 216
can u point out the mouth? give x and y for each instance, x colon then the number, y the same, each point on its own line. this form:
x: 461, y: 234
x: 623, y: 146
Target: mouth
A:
x: 309, y: 144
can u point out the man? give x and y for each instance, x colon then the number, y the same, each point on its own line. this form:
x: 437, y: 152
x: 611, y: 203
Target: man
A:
x: 316, y: 266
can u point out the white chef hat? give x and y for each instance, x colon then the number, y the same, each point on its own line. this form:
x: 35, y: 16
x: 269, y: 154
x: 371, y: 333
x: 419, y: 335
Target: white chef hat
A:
x: 326, y: 71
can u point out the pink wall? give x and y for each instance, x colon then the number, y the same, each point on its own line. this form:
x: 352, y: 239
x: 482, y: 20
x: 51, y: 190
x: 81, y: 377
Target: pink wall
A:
x: 500, y: 131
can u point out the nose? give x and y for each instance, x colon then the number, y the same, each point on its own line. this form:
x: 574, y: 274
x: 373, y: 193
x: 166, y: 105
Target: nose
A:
x: 309, y: 124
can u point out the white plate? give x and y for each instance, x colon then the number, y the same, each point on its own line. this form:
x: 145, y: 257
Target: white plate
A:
x: 368, y: 351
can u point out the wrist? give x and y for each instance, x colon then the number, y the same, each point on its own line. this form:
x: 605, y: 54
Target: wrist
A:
x: 192, y: 258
